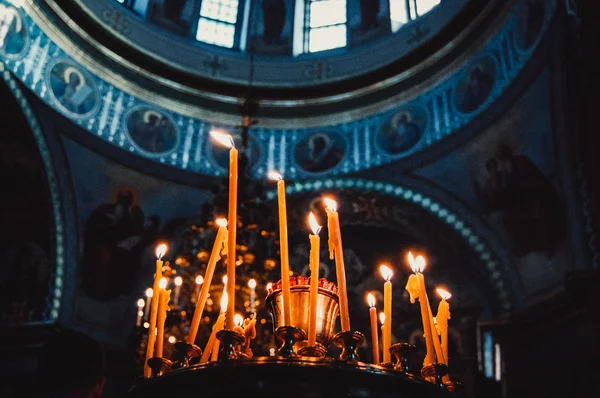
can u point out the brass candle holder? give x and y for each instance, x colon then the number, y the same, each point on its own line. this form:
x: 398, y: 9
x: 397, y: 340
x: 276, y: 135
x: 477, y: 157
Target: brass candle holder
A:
x: 434, y: 373
x: 327, y: 308
x: 289, y: 336
x: 315, y: 351
x: 230, y: 344
x: 402, y: 353
x: 159, y: 366
x: 349, y: 342
x: 185, y: 354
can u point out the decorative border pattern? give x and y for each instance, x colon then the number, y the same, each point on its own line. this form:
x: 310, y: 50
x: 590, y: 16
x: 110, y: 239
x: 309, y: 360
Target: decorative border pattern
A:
x: 498, y: 278
x: 277, y: 145
x: 53, y: 301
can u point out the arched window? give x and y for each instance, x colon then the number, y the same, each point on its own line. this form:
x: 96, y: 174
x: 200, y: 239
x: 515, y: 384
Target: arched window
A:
x: 403, y: 11
x: 324, y: 25
x: 218, y: 22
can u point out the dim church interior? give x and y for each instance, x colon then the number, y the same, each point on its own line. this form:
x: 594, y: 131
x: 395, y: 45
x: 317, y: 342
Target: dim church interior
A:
x: 462, y: 129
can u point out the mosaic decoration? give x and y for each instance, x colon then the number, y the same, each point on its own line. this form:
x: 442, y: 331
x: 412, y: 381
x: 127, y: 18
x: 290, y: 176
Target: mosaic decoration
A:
x: 107, y: 112
x: 151, y: 131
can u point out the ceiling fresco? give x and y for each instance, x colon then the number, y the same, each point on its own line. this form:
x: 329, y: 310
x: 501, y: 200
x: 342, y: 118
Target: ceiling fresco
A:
x: 141, y: 127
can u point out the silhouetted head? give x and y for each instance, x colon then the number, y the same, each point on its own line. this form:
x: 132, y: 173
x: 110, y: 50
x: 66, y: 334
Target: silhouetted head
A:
x: 125, y: 197
x: 71, y: 364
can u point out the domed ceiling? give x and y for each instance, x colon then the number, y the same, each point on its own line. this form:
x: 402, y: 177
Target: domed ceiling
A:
x: 441, y: 71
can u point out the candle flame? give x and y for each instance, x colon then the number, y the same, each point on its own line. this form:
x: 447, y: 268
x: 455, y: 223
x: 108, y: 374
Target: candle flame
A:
x: 238, y: 320
x: 416, y: 264
x: 141, y: 303
x: 314, y: 225
x: 149, y: 292
x: 162, y: 283
x: 371, y: 300
x: 221, y: 222
x: 161, y: 250
x: 444, y: 294
x: 224, y: 300
x: 172, y: 339
x: 199, y: 280
x: 222, y: 138
x: 178, y: 281
x: 252, y: 283
x: 275, y: 176
x: 269, y: 286
x: 382, y: 318
x: 386, y: 272
x: 330, y: 203
x: 225, y: 279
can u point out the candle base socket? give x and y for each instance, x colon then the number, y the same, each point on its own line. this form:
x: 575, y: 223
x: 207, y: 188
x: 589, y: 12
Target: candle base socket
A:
x: 289, y: 336
x: 185, y: 355
x: 454, y: 386
x: 434, y: 373
x: 230, y: 344
x: 316, y: 351
x: 402, y: 353
x: 349, y: 342
x: 159, y: 366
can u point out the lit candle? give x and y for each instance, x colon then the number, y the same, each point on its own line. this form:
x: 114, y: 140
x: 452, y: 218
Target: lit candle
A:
x: 418, y: 265
x: 160, y: 251
x: 269, y: 286
x: 387, y: 274
x: 178, y: 282
x: 165, y: 297
x: 314, y: 263
x: 215, y: 255
x: 238, y: 319
x: 227, y: 140
x: 336, y: 249
x: 374, y: 329
x: 212, y: 344
x: 252, y: 286
x: 382, y: 321
x: 283, y: 248
x: 199, y: 280
x: 443, y: 314
x: 149, y: 293
x: 140, y: 312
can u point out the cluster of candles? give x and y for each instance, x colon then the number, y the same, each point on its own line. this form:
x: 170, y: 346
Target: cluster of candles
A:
x: 225, y: 242
x: 435, y: 328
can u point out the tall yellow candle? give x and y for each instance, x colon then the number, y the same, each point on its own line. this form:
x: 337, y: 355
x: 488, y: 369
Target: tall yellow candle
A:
x: 383, y: 338
x: 315, y: 262
x: 387, y: 274
x: 165, y: 297
x: 440, y: 358
x: 336, y: 250
x: 374, y: 328
x: 160, y: 252
x: 212, y: 345
x: 283, y: 248
x: 443, y: 314
x: 215, y: 255
x: 418, y: 265
x: 227, y: 140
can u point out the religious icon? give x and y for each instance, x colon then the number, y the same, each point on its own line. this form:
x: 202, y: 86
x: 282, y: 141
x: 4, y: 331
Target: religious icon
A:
x: 151, y: 131
x: 320, y: 152
x: 525, y: 199
x: 475, y: 87
x: 13, y: 33
x: 72, y: 90
x: 402, y: 131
